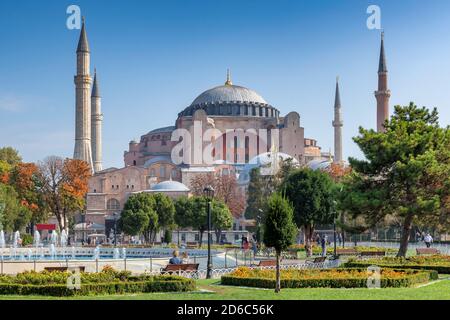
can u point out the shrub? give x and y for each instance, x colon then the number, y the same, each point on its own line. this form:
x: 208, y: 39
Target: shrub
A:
x: 108, y: 281
x: 439, y: 263
x: 332, y: 278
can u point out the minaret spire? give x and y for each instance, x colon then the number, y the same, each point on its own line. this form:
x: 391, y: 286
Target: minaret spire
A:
x: 96, y: 125
x: 82, y: 100
x: 228, y: 82
x: 337, y: 124
x: 383, y: 93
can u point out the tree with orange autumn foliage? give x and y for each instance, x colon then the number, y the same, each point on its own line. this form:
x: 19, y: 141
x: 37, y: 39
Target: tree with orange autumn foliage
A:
x: 63, y: 185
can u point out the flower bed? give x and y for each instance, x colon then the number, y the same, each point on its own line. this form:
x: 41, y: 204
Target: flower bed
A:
x: 330, y: 278
x: 330, y: 249
x: 440, y: 263
x: 105, y: 282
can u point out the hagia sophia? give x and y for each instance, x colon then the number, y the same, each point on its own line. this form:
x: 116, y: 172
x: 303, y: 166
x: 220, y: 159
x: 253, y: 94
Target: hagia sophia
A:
x: 246, y: 131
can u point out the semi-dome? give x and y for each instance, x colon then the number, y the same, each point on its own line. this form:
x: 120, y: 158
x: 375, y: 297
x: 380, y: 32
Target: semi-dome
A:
x: 266, y: 162
x: 170, y: 186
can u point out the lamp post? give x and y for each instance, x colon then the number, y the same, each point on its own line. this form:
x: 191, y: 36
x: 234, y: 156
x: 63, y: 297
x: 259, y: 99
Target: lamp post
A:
x: 209, y: 193
x: 334, y: 229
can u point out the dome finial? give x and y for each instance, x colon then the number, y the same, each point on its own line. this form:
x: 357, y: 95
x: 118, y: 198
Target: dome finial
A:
x: 228, y: 82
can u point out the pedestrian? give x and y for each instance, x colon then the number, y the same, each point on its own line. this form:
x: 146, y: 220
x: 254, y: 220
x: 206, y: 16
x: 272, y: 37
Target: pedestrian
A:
x: 324, y: 242
x: 255, y: 248
x: 318, y: 240
x: 428, y: 239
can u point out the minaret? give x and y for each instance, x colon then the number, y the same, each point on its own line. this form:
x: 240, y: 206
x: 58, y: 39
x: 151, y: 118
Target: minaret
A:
x: 83, y: 101
x: 383, y: 93
x: 96, y: 125
x: 337, y: 124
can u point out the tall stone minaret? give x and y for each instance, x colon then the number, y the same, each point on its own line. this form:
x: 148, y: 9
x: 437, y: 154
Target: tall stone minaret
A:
x: 96, y: 125
x: 337, y: 124
x: 383, y: 93
x: 83, y: 101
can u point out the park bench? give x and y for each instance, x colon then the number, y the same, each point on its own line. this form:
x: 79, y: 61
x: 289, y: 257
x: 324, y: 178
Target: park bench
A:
x: 177, y: 268
x: 266, y: 263
x: 347, y: 252
x: 63, y: 269
x: 317, y: 260
x: 373, y: 253
x: 191, y: 245
x: 423, y: 251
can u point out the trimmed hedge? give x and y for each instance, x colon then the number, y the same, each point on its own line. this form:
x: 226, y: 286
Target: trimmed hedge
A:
x: 130, y: 285
x: 412, y: 277
x: 362, y: 264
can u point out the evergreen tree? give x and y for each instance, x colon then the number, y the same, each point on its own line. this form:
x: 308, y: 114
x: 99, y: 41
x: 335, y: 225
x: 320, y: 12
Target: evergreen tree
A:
x: 405, y: 174
x: 279, y: 228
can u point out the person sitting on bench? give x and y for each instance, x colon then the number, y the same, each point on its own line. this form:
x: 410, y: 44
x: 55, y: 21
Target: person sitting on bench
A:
x: 175, y: 259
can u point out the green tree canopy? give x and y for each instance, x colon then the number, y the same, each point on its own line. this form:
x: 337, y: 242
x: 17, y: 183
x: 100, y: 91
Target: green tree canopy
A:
x: 139, y: 211
x: 312, y: 192
x: 279, y: 228
x: 165, y: 209
x: 405, y: 173
x: 10, y: 156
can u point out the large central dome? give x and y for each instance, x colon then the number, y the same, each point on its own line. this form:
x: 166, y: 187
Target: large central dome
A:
x: 228, y: 93
x: 231, y: 100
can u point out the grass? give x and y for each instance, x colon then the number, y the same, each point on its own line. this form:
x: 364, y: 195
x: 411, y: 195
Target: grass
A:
x: 212, y: 290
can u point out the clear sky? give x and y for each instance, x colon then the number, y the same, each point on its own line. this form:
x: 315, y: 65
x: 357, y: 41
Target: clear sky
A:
x: 155, y: 57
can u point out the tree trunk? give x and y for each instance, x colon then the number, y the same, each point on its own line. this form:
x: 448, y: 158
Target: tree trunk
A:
x: 309, y: 230
x: 218, y: 236
x: 277, y: 276
x: 406, y: 231
x: 200, y: 242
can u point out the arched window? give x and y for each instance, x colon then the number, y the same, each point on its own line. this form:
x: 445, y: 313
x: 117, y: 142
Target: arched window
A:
x: 152, y: 172
x: 113, y: 204
x: 134, y: 162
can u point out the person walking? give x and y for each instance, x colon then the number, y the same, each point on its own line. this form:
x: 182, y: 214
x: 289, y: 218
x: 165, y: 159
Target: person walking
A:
x: 324, y: 242
x: 428, y: 239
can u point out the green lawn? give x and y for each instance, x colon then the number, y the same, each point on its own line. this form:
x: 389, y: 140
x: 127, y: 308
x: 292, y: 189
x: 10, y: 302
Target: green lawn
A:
x: 213, y: 290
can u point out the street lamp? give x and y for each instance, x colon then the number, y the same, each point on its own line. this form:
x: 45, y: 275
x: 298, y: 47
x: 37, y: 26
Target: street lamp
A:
x: 334, y: 228
x: 209, y: 193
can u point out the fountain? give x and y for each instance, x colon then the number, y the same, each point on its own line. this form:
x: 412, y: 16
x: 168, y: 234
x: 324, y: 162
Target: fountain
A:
x: 42, y: 255
x: 54, y: 238
x: 116, y: 254
x: 124, y: 253
x: 29, y: 254
x: 52, y: 251
x: 16, y: 239
x: 12, y: 253
x: 63, y: 238
x: 2, y: 239
x: 36, y: 239
x: 96, y: 253
x: 73, y: 253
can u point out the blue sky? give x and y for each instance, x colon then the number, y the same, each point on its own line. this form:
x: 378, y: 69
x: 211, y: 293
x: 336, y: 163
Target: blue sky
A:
x: 155, y: 57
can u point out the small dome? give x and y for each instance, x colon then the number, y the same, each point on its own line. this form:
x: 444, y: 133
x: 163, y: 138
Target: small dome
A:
x: 170, y: 186
x: 319, y: 164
